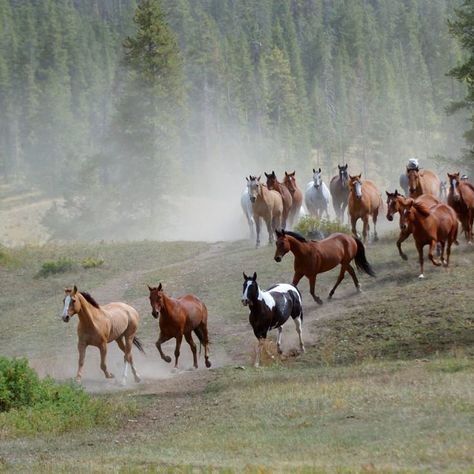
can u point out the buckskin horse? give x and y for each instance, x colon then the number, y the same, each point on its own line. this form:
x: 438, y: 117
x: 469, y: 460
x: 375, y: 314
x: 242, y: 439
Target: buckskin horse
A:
x: 423, y: 182
x: 274, y: 185
x: 313, y: 257
x: 99, y: 325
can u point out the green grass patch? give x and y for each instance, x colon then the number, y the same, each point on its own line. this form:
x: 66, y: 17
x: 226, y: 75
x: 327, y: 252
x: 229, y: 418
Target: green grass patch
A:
x: 52, y: 267
x: 92, y: 262
x: 314, y: 227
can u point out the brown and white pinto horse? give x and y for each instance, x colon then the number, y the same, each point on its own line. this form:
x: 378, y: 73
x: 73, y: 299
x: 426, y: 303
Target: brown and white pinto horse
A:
x: 179, y: 317
x: 274, y: 185
x: 99, y: 325
x: 461, y: 199
x: 340, y: 191
x: 423, y: 182
x: 296, y: 196
x: 429, y: 226
x: 313, y: 257
x: 393, y: 206
x: 267, y: 205
x: 364, y: 201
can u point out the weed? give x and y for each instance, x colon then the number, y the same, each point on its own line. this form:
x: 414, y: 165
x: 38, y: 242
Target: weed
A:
x: 92, y: 262
x: 52, y: 267
x: 313, y: 227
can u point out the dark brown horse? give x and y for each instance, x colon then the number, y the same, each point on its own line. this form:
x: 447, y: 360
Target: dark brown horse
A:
x: 296, y: 197
x: 313, y: 257
x: 461, y: 199
x: 275, y: 185
x: 429, y: 226
x: 364, y: 201
x: 423, y: 182
x: 393, y: 206
x: 339, y: 188
x: 179, y: 317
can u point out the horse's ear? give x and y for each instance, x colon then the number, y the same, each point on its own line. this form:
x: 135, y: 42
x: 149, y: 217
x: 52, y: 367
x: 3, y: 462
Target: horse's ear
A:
x: 319, y: 170
x: 150, y: 288
x: 387, y: 193
x: 247, y: 179
x: 160, y: 287
x: 340, y: 167
x: 258, y: 179
x: 396, y: 192
x: 314, y: 171
x: 278, y: 233
x: 74, y: 290
x: 267, y: 175
x: 245, y: 276
x: 346, y: 165
x: 254, y: 278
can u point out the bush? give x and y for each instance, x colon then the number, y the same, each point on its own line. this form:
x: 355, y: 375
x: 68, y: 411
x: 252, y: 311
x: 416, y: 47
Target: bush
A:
x: 52, y: 267
x: 91, y: 262
x: 314, y: 228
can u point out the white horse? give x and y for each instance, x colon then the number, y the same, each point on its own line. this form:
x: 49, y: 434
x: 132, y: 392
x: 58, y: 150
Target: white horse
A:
x: 316, y: 196
x: 246, y: 205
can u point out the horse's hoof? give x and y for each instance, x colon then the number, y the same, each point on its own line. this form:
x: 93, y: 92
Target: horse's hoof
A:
x: 78, y: 380
x: 123, y: 382
x: 137, y: 379
x: 358, y: 289
x: 279, y: 351
x: 421, y: 276
x: 404, y: 257
x: 167, y: 359
x: 303, y: 349
x: 330, y: 295
x: 208, y: 363
x: 318, y: 300
x: 376, y: 238
x: 110, y: 376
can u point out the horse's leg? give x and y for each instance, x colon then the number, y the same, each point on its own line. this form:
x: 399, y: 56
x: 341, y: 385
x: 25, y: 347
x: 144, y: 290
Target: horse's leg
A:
x: 258, y: 351
x: 205, y: 341
x: 299, y: 330
x: 296, y: 278
x: 257, y: 228
x: 352, y: 273
x: 312, y: 284
x: 353, y: 225
x: 374, y: 220
x: 404, y: 234
x: 419, y: 248
x: 129, y: 359
x: 339, y: 279
x: 81, y: 347
x: 431, y: 252
x: 280, y: 330
x: 122, y: 347
x: 103, y: 365
x: 158, y: 343
x: 189, y: 339
x: 365, y: 229
x: 179, y: 338
x: 269, y: 223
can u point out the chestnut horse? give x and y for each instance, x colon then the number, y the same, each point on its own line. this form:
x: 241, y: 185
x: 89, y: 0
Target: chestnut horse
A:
x: 393, y: 206
x: 266, y: 204
x: 429, y: 226
x: 313, y: 257
x: 340, y: 191
x: 179, y: 317
x: 296, y: 196
x: 423, y: 182
x: 364, y: 201
x: 274, y: 185
x: 99, y: 325
x: 461, y: 199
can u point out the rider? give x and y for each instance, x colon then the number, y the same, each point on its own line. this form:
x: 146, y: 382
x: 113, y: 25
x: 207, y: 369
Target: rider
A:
x: 412, y: 164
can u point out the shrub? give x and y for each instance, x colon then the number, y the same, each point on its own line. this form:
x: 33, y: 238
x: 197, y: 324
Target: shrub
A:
x: 314, y: 228
x: 52, y: 267
x: 91, y: 262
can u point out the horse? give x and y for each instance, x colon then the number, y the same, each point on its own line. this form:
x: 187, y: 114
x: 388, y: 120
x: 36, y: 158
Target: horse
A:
x: 271, y: 309
x: 99, y: 325
x: 364, y: 201
x: 403, y: 181
x: 340, y: 191
x: 443, y: 191
x: 422, y: 182
x: 313, y: 257
x: 246, y: 205
x: 296, y: 196
x: 274, y: 185
x: 267, y: 205
x: 316, y: 196
x: 461, y: 199
x: 429, y: 226
x: 393, y: 206
x: 179, y: 317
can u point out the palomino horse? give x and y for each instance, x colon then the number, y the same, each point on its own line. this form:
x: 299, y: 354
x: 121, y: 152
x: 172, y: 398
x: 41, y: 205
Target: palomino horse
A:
x: 271, y: 309
x: 313, y: 257
x: 340, y: 191
x: 364, y: 201
x: 461, y: 199
x: 429, y: 226
x: 99, y: 325
x: 296, y: 196
x: 316, y: 196
x: 267, y: 205
x: 393, y: 206
x: 246, y: 205
x: 422, y: 182
x: 275, y: 185
x: 179, y: 317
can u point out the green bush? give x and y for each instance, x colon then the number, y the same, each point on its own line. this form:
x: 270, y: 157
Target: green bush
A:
x: 314, y: 228
x: 52, y: 267
x: 91, y: 262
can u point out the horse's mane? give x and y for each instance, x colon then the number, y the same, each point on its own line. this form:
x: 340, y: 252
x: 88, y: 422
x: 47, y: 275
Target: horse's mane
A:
x: 295, y: 235
x: 422, y: 208
x: 89, y: 299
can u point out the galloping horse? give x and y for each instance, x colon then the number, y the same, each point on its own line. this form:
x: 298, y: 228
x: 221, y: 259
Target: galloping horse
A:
x: 340, y: 191
x: 461, y: 199
x: 313, y: 257
x: 266, y: 204
x: 274, y: 185
x: 429, y: 226
x: 364, y: 201
x: 246, y: 205
x: 179, y: 317
x: 296, y: 196
x: 423, y: 182
x: 393, y: 206
x: 271, y: 309
x: 99, y: 325
x: 316, y: 196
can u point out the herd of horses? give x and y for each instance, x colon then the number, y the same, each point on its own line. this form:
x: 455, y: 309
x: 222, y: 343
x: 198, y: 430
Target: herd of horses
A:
x: 423, y: 214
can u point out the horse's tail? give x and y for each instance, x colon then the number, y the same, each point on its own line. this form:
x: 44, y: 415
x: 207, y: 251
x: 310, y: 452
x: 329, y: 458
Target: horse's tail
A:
x: 137, y: 343
x: 200, y: 336
x: 361, y: 260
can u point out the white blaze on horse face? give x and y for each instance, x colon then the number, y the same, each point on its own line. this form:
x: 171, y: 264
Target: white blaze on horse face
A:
x: 67, y: 302
x: 244, y: 298
x: 358, y: 189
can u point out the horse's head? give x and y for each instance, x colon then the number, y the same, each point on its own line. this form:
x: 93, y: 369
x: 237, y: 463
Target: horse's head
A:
x: 250, y: 289
x: 282, y: 245
x: 271, y: 180
x: 392, y: 205
x: 405, y: 209
x: 290, y: 182
x: 317, y: 178
x: 343, y: 175
x: 413, y: 179
x: 454, y: 179
x: 156, y: 300
x: 253, y: 187
x: 355, y: 185
x: 71, y: 302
